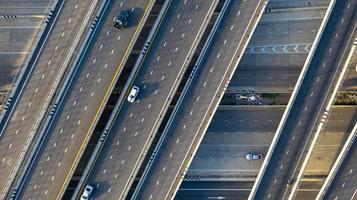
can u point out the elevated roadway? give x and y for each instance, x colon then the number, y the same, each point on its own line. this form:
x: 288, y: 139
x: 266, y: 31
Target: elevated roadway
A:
x: 135, y: 124
x: 341, y: 182
x: 41, y: 77
x: 199, y: 99
x: 89, y: 88
x: 307, y: 110
x: 20, y: 26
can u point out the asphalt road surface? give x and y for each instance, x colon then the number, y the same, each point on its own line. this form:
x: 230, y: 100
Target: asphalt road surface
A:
x: 278, y: 49
x: 21, y: 127
x: 235, y: 131
x: 344, y: 184
x: 219, y: 61
x: 292, y: 144
x: 71, y: 128
x: 158, y: 77
x: 17, y: 36
x: 232, y: 190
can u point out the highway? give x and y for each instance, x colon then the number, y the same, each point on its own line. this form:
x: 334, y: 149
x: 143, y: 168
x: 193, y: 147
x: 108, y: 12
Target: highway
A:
x: 236, y: 130
x: 231, y: 190
x: 342, y: 184
x: 17, y: 38
x: 199, y: 100
x: 20, y: 124
x: 158, y: 77
x: 69, y: 131
x: 278, y: 49
x: 213, y: 190
x: 277, y: 178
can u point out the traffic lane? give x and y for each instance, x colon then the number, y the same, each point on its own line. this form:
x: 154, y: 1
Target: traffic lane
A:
x: 292, y: 31
x: 15, y: 42
x: 224, y: 153
x: 241, y: 119
x: 214, y: 190
x: 296, y: 4
x: 34, y: 8
x: 164, y: 175
x: 17, y: 131
x: 344, y: 185
x: 232, y: 190
x: 306, y: 106
x: 73, y: 121
x: 291, y: 41
x: 227, y: 161
x: 268, y: 72
x: 157, y: 76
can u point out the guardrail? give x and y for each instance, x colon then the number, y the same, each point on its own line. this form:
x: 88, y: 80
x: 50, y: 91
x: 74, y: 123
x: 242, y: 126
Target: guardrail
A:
x: 58, y: 100
x: 291, y: 101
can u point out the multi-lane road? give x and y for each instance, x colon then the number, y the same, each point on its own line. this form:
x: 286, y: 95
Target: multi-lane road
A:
x: 200, y: 99
x: 20, y: 124
x: 235, y: 131
x: 18, y: 37
x: 279, y: 176
x: 277, y: 51
x: 73, y: 124
x: 342, y: 184
x: 158, y: 77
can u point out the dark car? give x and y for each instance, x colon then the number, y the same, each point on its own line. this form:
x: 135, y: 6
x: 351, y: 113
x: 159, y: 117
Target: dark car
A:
x: 122, y: 19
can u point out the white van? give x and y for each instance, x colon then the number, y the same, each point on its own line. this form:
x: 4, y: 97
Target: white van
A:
x: 133, y: 93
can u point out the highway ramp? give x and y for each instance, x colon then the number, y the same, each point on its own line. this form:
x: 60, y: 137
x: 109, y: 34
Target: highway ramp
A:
x: 68, y: 133
x: 159, y: 75
x: 199, y: 99
x: 37, y: 86
x: 278, y: 177
x: 341, y: 183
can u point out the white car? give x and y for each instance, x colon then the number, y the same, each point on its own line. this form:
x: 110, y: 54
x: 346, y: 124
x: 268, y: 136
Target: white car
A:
x: 87, y: 192
x: 254, y: 156
x: 133, y: 93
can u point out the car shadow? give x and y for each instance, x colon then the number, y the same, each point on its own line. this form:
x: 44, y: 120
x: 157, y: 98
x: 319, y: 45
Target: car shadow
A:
x: 135, y: 16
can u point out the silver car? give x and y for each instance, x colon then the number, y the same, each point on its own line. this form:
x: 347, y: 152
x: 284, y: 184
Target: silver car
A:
x: 87, y: 192
x: 254, y: 156
x: 133, y: 93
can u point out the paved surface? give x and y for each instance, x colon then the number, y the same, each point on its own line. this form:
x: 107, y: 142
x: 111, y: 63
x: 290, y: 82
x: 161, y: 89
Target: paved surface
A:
x: 278, y: 49
x: 344, y: 185
x: 134, y: 127
x: 219, y: 62
x: 294, y: 140
x: 70, y: 130
x: 232, y: 190
x: 18, y: 133
x: 235, y: 131
x: 17, y: 35
x: 207, y: 190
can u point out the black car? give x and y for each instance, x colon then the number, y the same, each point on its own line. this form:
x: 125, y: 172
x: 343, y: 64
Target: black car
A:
x: 122, y: 19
